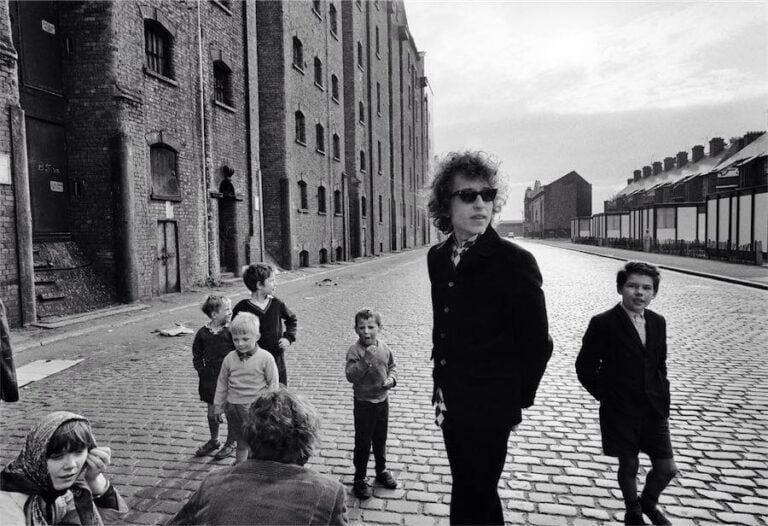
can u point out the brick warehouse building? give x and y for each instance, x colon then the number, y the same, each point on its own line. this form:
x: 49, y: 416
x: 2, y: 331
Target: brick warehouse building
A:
x: 548, y: 209
x: 132, y: 138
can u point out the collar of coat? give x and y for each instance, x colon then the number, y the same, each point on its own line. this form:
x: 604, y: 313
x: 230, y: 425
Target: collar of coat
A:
x: 485, y: 244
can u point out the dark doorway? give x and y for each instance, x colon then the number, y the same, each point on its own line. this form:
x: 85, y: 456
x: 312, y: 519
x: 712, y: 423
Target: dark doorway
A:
x: 227, y: 235
x: 48, y: 186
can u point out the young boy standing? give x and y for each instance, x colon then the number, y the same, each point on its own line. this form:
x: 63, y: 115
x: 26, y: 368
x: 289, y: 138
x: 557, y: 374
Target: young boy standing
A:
x: 372, y: 371
x: 211, y: 345
x: 623, y: 364
x: 272, y: 314
x: 245, y: 373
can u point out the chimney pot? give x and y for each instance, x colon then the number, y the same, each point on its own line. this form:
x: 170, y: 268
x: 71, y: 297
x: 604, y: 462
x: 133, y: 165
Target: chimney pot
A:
x: 647, y: 171
x: 669, y: 163
x: 751, y: 136
x: 682, y: 159
x: 716, y: 145
x: 630, y: 181
x: 697, y: 153
x: 636, y: 174
x: 657, y: 168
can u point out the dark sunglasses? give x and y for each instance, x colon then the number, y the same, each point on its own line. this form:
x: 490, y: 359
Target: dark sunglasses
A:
x: 469, y: 196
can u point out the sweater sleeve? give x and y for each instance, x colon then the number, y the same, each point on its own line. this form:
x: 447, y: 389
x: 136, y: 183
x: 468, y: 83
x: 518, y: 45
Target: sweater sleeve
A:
x: 198, y: 351
x: 356, y: 367
x: 270, y: 373
x: 291, y: 323
x: 222, y: 386
x: 391, y: 367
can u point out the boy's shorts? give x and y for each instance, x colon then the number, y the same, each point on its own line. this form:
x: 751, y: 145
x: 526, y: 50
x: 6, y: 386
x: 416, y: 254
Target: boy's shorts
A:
x: 628, y: 436
x: 236, y: 415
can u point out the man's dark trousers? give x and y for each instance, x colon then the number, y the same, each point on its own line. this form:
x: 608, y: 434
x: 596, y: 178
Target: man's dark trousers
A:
x: 371, y: 420
x: 476, y: 456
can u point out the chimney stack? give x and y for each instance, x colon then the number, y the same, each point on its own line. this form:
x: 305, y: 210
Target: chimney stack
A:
x: 716, y: 145
x: 669, y: 163
x: 656, y: 167
x: 637, y: 173
x: 751, y: 136
x: 647, y: 171
x: 697, y: 153
x: 630, y: 181
x: 682, y: 159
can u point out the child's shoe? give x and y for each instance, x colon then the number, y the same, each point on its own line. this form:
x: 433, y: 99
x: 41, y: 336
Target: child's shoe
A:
x: 227, y: 451
x: 361, y: 489
x: 634, y: 514
x: 653, y: 513
x: 208, y: 448
x: 386, y: 479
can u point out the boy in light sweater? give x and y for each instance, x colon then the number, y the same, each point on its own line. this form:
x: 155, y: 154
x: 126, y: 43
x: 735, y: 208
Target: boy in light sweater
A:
x: 245, y: 373
x: 372, y: 371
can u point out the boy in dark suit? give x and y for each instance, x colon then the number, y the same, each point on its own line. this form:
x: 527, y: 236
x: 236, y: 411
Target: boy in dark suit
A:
x: 623, y: 364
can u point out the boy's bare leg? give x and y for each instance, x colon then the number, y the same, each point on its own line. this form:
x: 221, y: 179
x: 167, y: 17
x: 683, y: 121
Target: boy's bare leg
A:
x: 627, y: 478
x: 242, y: 452
x: 661, y: 474
x: 213, y: 424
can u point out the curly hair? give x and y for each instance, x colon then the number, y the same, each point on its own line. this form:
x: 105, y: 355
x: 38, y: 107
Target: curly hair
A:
x: 472, y: 165
x: 282, y: 427
x: 214, y: 302
x: 257, y: 273
x: 638, y: 267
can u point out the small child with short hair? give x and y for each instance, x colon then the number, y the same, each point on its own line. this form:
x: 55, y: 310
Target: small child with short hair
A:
x: 246, y: 372
x: 371, y: 369
x: 211, y: 345
x: 272, y: 314
x: 623, y: 364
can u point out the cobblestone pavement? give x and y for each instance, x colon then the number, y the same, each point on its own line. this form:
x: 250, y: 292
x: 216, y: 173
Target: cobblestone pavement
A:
x: 140, y: 391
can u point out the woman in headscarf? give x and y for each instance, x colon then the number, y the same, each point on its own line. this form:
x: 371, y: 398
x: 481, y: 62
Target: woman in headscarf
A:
x: 58, y: 478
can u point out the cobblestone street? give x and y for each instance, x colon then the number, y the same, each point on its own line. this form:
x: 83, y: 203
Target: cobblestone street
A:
x: 140, y: 392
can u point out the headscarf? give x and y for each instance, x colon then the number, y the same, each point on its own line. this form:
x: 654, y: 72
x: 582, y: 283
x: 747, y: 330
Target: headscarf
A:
x: 28, y: 473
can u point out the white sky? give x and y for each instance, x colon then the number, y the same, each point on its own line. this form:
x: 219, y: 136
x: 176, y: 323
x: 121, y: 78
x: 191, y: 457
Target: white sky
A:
x: 602, y: 88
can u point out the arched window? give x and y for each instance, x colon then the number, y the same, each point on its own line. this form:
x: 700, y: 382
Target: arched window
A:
x: 335, y: 88
x: 222, y: 83
x: 158, y: 45
x: 316, y: 6
x: 323, y: 256
x: 333, y: 22
x: 165, y: 179
x: 318, y: 72
x: 361, y: 110
x: 362, y: 160
x: 363, y: 207
x: 320, y: 138
x: 303, y: 204
x: 301, y: 130
x: 298, y: 53
x: 336, y: 146
x: 303, y: 258
x: 360, y: 55
x: 337, y: 202
x: 321, y: 200
x: 381, y: 216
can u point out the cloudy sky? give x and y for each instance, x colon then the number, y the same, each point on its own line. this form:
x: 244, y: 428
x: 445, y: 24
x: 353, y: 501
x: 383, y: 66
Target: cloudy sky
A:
x: 602, y: 88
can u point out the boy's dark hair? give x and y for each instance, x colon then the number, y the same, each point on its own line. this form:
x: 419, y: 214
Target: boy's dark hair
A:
x: 213, y: 303
x: 256, y: 273
x: 472, y: 165
x: 638, y: 267
x: 367, y: 314
x: 73, y: 435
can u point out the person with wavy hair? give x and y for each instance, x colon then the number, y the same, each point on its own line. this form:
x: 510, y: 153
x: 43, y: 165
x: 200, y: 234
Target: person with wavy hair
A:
x: 490, y: 332
x: 272, y: 486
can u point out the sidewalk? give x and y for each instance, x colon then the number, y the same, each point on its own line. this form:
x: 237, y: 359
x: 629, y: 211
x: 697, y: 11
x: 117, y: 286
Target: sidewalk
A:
x: 118, y: 315
x: 747, y: 275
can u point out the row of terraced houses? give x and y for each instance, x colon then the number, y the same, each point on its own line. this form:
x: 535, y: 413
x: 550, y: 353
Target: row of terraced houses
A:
x: 147, y: 146
x: 713, y: 204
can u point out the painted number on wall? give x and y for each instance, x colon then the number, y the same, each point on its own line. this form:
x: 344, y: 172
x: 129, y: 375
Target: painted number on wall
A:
x: 48, y: 27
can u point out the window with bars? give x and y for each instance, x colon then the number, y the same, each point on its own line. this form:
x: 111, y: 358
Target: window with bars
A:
x: 222, y: 83
x: 303, y: 201
x: 298, y: 53
x: 301, y: 130
x: 157, y: 49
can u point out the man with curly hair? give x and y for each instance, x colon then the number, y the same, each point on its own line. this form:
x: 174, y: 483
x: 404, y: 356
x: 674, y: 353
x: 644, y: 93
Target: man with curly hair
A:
x: 272, y: 486
x: 490, y: 335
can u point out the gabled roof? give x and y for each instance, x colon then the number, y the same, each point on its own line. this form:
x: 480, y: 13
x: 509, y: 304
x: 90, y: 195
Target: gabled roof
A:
x: 753, y: 150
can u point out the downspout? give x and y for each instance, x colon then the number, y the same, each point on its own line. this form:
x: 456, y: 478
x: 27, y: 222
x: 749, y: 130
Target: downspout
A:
x: 369, y: 124
x: 204, y: 153
x: 328, y: 139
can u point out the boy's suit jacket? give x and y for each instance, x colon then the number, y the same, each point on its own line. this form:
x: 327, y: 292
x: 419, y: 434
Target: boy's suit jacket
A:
x: 490, y: 334
x: 615, y: 367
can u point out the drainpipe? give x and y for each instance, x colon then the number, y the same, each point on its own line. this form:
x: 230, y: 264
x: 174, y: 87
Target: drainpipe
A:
x: 204, y: 153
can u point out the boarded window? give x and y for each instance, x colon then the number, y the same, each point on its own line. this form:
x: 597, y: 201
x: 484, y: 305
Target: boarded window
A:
x: 165, y: 181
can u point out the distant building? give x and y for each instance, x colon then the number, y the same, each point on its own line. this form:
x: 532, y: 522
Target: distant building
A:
x: 513, y: 227
x: 548, y: 209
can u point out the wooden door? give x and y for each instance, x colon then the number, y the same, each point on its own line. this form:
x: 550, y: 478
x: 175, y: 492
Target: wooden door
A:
x: 167, y: 258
